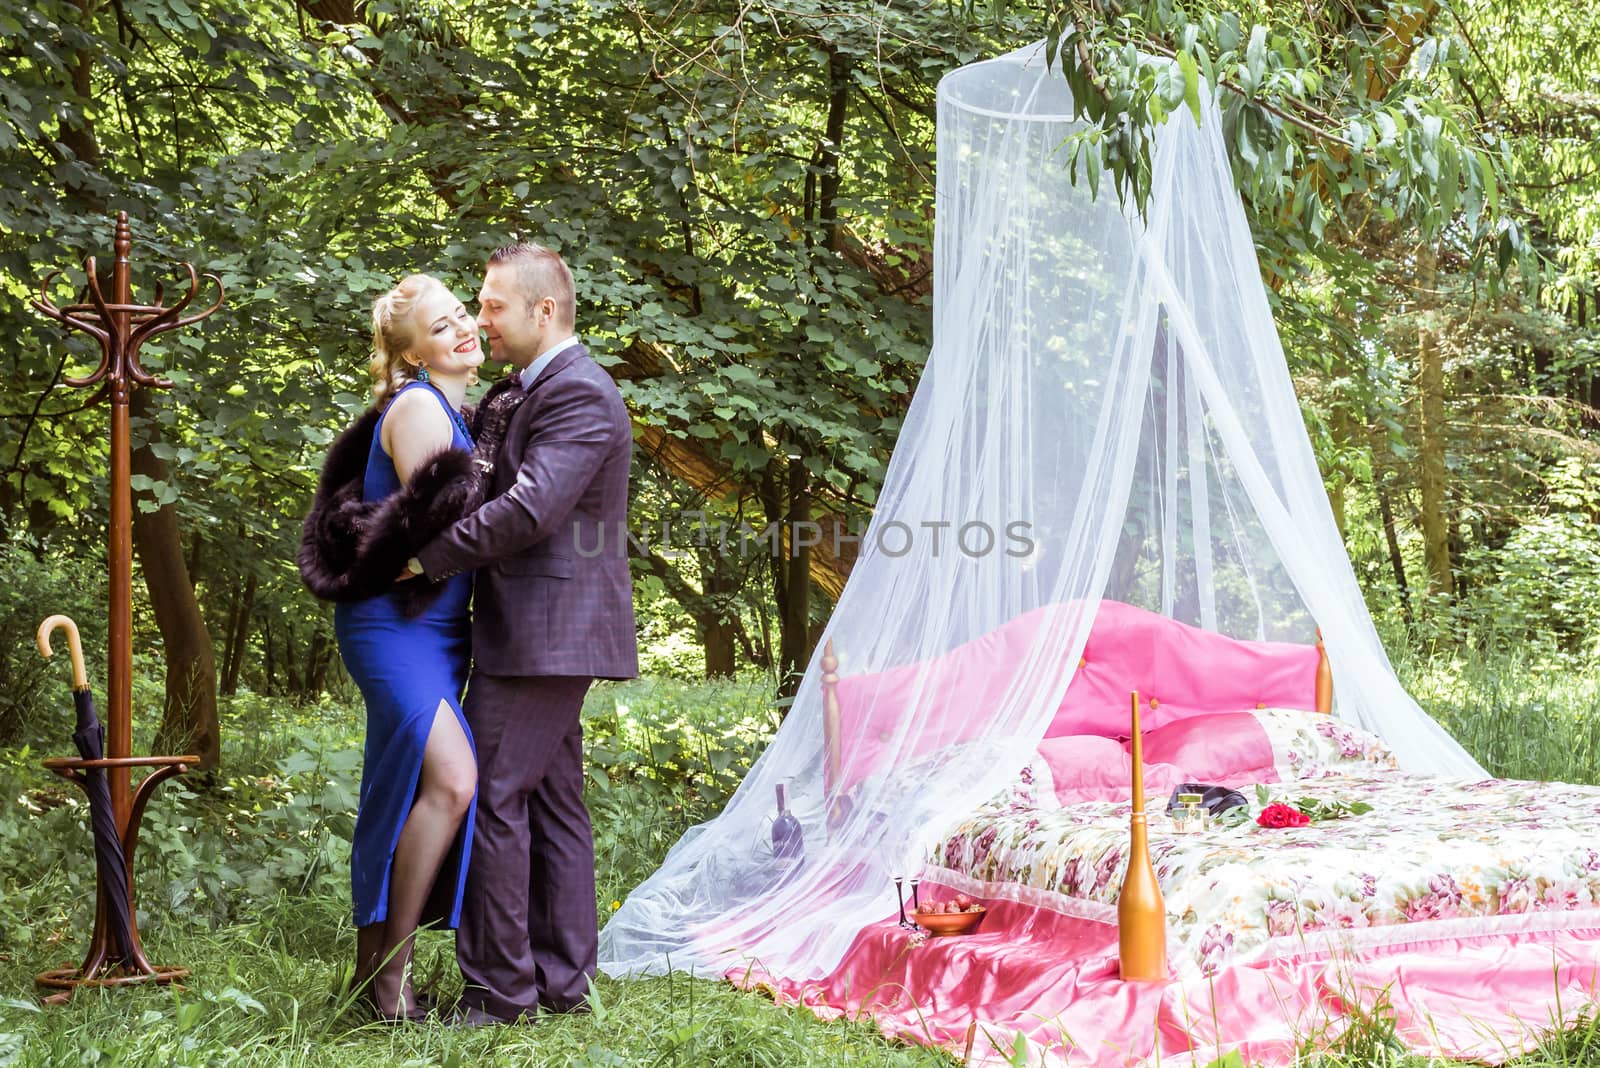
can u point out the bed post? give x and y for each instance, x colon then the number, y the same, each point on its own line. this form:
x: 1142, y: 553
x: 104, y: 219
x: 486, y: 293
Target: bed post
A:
x: 830, y: 726
x: 1324, y: 678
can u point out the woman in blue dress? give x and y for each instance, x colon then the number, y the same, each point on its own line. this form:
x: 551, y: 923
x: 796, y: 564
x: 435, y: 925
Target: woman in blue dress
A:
x: 413, y: 829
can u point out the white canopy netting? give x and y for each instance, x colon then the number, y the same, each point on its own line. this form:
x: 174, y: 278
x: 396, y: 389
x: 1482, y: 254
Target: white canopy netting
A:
x: 1106, y: 414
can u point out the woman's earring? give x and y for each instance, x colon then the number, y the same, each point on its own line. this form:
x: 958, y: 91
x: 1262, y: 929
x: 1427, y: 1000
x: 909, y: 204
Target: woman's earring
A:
x: 422, y: 374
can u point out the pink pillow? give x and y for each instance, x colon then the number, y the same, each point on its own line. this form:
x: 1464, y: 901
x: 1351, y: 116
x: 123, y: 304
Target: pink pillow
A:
x: 1224, y: 748
x: 1087, y: 767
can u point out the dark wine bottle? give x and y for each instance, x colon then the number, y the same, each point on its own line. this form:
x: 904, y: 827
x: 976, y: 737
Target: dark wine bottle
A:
x: 787, y: 841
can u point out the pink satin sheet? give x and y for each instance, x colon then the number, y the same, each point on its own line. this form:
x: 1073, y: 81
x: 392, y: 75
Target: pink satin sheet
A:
x: 1230, y: 748
x: 1053, y: 979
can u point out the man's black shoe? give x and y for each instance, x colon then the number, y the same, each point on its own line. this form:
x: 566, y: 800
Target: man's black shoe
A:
x: 468, y: 1016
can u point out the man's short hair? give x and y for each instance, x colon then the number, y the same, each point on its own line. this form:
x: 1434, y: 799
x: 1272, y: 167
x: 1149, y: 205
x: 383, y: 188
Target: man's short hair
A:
x: 540, y: 273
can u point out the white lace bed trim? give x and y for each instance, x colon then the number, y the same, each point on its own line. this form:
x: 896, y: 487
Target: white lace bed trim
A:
x: 1305, y: 945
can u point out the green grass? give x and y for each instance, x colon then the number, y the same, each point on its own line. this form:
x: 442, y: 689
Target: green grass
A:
x: 245, y: 883
x: 263, y: 994
x: 1522, y: 719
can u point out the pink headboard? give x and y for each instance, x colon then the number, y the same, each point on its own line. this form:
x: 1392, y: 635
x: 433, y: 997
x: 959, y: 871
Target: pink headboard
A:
x: 1181, y: 670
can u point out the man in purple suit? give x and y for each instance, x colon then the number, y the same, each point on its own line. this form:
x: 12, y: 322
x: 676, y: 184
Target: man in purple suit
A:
x: 552, y: 611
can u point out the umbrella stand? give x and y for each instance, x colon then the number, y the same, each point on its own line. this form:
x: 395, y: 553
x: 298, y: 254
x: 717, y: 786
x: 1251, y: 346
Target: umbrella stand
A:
x: 102, y: 965
x: 115, y: 956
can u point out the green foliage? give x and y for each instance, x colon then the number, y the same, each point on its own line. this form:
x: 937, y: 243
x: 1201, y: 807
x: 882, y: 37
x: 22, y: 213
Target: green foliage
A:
x: 1520, y: 716
x: 667, y: 647
x: 663, y: 756
x: 1542, y: 587
x: 758, y: 294
x: 1313, y: 126
x: 36, y: 694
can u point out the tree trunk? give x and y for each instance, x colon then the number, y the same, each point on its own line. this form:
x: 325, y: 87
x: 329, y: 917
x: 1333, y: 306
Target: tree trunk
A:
x: 1461, y: 583
x: 829, y: 150
x: 715, y: 623
x: 1588, y: 392
x: 230, y: 624
x: 1342, y: 427
x: 239, y: 638
x: 269, y: 680
x: 322, y: 658
x: 197, y: 548
x: 314, y: 651
x: 766, y: 633
x: 1431, y: 409
x: 718, y: 634
x: 77, y: 126
x: 753, y: 653
x: 1336, y: 502
x: 720, y: 648
x: 189, y: 720
x: 794, y: 638
x: 1396, y: 561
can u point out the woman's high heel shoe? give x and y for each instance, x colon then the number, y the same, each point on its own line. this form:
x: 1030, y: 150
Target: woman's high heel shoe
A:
x: 421, y: 1006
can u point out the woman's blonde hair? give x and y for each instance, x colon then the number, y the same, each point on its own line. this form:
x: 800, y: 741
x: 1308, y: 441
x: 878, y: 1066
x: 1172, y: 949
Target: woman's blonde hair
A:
x: 394, y: 334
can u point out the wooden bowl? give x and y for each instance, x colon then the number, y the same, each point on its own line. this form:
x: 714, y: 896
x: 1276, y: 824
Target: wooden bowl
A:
x: 949, y: 923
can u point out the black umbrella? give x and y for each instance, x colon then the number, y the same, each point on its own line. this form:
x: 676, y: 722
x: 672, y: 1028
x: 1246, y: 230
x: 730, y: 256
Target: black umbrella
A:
x: 90, y: 740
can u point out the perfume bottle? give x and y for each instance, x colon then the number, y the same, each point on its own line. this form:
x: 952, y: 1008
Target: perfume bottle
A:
x: 787, y: 841
x: 1189, y: 817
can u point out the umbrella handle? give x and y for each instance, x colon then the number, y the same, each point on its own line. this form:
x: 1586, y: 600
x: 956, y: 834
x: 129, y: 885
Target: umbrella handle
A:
x: 80, y: 678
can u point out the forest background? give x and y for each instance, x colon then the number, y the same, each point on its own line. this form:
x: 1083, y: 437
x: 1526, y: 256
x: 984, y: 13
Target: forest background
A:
x: 744, y: 189
x: 745, y: 193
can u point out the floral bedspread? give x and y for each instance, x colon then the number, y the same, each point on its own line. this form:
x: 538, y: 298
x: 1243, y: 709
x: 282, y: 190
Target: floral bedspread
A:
x: 1308, y: 745
x: 1474, y: 856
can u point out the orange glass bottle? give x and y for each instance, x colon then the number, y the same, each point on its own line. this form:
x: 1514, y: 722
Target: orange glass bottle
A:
x: 1141, y: 912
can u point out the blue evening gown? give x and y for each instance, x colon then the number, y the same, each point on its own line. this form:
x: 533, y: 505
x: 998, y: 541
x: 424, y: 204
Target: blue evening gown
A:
x: 404, y: 668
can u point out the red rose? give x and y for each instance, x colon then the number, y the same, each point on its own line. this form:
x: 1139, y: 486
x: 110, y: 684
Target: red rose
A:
x: 1279, y: 814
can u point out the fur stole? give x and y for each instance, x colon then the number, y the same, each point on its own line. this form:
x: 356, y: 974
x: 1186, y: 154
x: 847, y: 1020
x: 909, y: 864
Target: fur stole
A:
x: 352, y: 549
